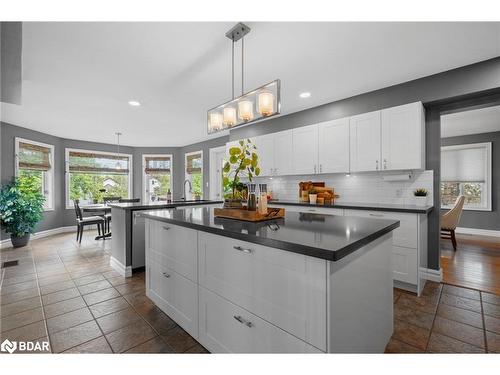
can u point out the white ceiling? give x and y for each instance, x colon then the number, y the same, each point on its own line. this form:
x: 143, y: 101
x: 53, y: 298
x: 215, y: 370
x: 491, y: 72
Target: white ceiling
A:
x: 484, y: 120
x: 78, y: 77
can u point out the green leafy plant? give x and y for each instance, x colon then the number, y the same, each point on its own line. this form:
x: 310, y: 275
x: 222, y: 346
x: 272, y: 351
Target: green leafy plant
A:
x: 21, y: 205
x: 243, y: 162
x: 420, y: 192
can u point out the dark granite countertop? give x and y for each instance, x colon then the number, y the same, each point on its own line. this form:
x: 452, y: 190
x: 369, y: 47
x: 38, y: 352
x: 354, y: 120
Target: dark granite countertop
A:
x: 410, y: 208
x: 160, y: 205
x: 327, y: 237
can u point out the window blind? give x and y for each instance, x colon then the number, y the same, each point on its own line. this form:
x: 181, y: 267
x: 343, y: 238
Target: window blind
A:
x: 33, y: 156
x: 157, y: 164
x: 90, y: 162
x: 466, y: 163
x: 194, y: 163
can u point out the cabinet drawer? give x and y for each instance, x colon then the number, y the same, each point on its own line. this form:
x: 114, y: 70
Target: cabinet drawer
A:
x: 404, y: 264
x: 175, y: 295
x: 286, y: 289
x: 407, y: 233
x: 227, y: 328
x: 176, y: 248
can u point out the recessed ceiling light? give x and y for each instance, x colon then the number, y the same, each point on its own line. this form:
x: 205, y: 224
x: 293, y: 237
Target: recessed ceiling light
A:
x: 305, y: 95
x: 134, y: 103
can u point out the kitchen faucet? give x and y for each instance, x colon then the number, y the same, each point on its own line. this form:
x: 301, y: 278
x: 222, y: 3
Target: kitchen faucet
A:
x: 184, y: 189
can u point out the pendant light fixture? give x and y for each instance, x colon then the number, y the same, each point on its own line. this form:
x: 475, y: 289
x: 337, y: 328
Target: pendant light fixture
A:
x: 118, y: 164
x: 249, y: 107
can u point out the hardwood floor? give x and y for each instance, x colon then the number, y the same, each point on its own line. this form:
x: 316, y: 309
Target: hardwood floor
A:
x: 475, y: 264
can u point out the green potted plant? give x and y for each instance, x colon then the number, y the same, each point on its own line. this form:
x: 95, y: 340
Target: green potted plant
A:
x: 243, y: 162
x: 420, y: 196
x: 21, y: 208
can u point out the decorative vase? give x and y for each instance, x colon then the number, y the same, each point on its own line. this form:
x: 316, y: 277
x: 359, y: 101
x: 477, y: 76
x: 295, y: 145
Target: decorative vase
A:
x: 312, y: 198
x: 421, y: 200
x: 20, y: 241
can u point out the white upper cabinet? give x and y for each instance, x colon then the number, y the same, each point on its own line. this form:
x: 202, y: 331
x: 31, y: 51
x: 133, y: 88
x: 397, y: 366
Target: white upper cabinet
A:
x: 365, y: 140
x: 265, y: 145
x: 305, y: 150
x: 333, y: 146
x: 283, y: 150
x: 403, y: 137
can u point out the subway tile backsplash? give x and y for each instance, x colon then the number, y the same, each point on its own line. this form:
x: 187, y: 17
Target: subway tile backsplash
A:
x: 361, y: 187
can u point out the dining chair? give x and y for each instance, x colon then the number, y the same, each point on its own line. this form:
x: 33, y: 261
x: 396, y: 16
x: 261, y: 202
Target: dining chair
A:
x: 130, y: 200
x: 450, y: 220
x: 82, y: 221
x: 107, y: 217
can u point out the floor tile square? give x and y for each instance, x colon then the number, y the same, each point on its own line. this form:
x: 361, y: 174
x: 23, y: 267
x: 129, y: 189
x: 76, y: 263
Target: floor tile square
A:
x: 155, y: 345
x: 101, y: 296
x: 491, y: 309
x: 56, y: 287
x: 21, y: 319
x: 459, y: 331
x: 460, y: 315
x: 461, y: 302
x: 108, y: 307
x: 20, y: 306
x: 493, y: 340
x: 409, y: 334
x: 18, y: 296
x: 490, y: 298
x: 117, y: 320
x: 63, y: 307
x: 130, y: 336
x: 59, y: 296
x: 68, y: 320
x: 94, y: 287
x: 28, y: 332
x: 444, y: 344
x: 95, y: 346
x: 461, y: 292
x: 74, y: 336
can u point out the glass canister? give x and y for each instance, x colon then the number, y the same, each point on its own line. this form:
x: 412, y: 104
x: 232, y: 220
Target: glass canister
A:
x: 263, y: 199
x: 252, y: 199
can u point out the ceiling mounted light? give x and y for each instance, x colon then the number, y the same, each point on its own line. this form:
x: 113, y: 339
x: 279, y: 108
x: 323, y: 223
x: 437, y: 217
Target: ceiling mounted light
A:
x: 305, y: 95
x: 258, y: 104
x: 134, y: 103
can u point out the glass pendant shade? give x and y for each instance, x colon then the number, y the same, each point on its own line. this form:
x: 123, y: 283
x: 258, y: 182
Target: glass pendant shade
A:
x: 265, y: 104
x: 245, y: 110
x: 255, y: 105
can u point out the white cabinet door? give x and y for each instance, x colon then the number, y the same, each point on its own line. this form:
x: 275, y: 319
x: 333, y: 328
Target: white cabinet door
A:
x: 265, y: 145
x: 365, y: 142
x: 283, y: 150
x: 404, y: 264
x: 227, y: 328
x: 333, y: 146
x: 403, y: 137
x: 305, y: 150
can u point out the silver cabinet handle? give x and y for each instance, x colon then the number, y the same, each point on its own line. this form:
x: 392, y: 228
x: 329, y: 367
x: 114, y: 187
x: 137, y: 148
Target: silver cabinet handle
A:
x: 320, y: 168
x: 166, y: 228
x: 376, y: 165
x: 239, y: 248
x: 166, y: 274
x: 377, y: 215
x: 243, y: 321
x: 385, y: 163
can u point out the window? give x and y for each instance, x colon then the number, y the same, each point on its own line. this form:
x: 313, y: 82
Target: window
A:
x: 37, y: 160
x: 92, y: 175
x: 157, y: 178
x: 466, y: 170
x: 194, y: 172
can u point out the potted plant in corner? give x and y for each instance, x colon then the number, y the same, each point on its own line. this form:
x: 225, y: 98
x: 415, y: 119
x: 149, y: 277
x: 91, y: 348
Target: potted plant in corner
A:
x: 420, y: 196
x: 243, y: 162
x: 21, y: 208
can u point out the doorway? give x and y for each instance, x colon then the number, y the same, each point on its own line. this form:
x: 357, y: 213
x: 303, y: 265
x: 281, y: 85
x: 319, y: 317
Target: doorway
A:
x: 217, y: 158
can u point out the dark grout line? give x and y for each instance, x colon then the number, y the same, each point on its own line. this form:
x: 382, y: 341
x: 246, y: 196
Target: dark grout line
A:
x: 484, y: 324
x: 434, y: 319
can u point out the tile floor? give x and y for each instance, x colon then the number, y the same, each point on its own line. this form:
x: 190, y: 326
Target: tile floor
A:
x: 67, y: 294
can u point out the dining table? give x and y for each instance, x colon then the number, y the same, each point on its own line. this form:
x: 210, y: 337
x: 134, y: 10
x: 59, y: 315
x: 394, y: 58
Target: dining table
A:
x: 98, y: 210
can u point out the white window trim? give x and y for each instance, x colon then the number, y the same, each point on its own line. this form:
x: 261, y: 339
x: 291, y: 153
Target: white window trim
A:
x: 144, y: 156
x: 51, y: 171
x: 213, y: 172
x: 488, y: 174
x: 66, y: 171
x: 186, y: 176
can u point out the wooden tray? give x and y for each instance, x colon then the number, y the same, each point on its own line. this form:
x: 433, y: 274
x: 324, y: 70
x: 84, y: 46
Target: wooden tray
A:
x: 245, y: 215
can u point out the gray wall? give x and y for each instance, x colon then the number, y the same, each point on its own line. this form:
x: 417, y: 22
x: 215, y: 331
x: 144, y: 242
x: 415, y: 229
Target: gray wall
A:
x: 482, y: 219
x: 11, y: 47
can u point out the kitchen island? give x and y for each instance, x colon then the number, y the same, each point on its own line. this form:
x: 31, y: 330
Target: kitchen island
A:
x: 307, y: 283
x: 127, y: 241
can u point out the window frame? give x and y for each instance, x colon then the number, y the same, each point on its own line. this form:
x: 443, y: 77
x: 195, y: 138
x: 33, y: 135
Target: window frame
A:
x: 144, y: 156
x: 51, y: 172
x: 67, y: 173
x: 186, y: 175
x: 488, y: 180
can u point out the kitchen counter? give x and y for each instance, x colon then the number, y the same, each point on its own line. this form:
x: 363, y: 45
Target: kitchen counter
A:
x: 135, y: 206
x: 409, y: 208
x: 327, y: 237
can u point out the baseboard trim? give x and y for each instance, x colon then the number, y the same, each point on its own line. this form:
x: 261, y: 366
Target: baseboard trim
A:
x: 478, y: 232
x: 431, y: 274
x: 120, y: 267
x: 5, y: 244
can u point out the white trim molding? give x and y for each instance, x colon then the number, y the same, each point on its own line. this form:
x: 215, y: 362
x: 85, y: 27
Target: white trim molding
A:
x: 478, y: 232
x: 4, y: 244
x: 431, y: 274
x: 120, y: 267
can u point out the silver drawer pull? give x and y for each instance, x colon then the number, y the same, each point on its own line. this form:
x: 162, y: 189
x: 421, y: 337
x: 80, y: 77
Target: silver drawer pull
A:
x: 239, y: 248
x: 166, y: 275
x: 243, y: 321
x: 377, y: 215
x: 166, y: 228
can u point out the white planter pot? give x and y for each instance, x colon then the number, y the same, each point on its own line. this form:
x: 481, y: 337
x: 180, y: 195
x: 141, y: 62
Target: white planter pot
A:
x: 421, y: 201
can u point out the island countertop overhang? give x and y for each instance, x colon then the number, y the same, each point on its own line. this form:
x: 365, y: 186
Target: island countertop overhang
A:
x: 328, y: 237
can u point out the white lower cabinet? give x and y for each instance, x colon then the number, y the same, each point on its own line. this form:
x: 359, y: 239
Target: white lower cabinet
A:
x: 228, y: 328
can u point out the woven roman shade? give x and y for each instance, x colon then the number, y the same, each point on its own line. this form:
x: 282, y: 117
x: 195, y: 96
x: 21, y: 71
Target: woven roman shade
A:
x: 89, y: 162
x: 34, y: 157
x: 157, y: 164
x: 466, y: 163
x: 194, y: 163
